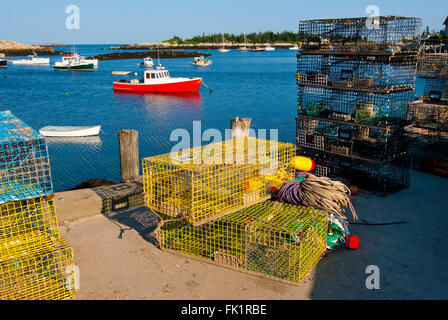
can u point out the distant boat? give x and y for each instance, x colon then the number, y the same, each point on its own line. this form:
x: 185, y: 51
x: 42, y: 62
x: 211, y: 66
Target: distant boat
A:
x: 147, y: 63
x: 121, y: 73
x: 3, y: 63
x: 243, y: 48
x: 223, y: 49
x: 269, y: 48
x: 296, y: 47
x: 72, y: 61
x: 70, y: 131
x: 201, y: 62
x: 32, y: 60
x: 256, y: 49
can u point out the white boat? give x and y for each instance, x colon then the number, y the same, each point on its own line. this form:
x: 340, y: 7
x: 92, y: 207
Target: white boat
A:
x: 243, y: 48
x: 223, y: 49
x: 121, y: 73
x: 70, y: 131
x: 73, y: 61
x: 94, y: 61
x: 32, y: 60
x: 296, y: 47
x: 201, y: 62
x: 147, y: 63
x: 269, y: 48
x: 256, y: 49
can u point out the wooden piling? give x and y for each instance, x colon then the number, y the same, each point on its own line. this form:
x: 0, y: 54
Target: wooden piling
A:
x: 239, y: 127
x: 129, y: 160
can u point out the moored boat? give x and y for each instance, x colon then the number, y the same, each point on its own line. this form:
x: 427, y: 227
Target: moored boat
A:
x: 256, y: 49
x: 269, y: 48
x: 69, y: 131
x: 72, y: 61
x: 158, y: 80
x: 32, y: 60
x: 147, y: 63
x: 223, y: 49
x: 121, y: 73
x: 3, y: 63
x: 201, y: 62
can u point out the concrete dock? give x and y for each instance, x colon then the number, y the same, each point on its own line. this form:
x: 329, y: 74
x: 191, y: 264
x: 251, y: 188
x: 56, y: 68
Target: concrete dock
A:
x: 118, y: 259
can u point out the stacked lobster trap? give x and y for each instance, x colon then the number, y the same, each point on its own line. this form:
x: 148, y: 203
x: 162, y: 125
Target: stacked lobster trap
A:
x: 355, y: 81
x: 428, y: 130
x: 214, y: 204
x: 35, y: 261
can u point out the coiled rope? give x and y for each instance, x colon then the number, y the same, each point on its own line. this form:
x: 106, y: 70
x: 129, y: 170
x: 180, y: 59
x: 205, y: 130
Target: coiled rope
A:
x: 318, y: 192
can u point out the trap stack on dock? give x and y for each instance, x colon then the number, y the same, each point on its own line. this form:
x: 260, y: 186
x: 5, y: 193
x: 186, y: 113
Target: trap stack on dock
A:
x: 214, y: 204
x: 429, y: 115
x: 35, y: 261
x: 355, y: 80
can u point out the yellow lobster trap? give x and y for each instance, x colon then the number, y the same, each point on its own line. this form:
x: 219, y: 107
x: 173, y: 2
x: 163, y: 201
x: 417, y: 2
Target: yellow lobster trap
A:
x: 35, y: 262
x: 273, y: 239
x: 27, y: 225
x: 208, y: 182
x: 45, y: 274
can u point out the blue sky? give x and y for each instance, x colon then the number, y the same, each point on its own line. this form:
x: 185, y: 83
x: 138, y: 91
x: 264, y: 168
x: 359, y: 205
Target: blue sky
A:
x: 134, y: 21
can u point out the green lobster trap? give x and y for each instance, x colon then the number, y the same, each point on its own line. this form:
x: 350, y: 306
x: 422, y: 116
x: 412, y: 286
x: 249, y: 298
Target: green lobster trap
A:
x: 208, y: 182
x: 272, y: 239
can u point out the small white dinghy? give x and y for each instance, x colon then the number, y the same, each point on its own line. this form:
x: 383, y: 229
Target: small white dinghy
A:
x: 70, y: 131
x: 121, y: 73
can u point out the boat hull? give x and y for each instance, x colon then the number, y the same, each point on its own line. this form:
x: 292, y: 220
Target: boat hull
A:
x: 89, y: 66
x: 70, y: 131
x: 192, y: 85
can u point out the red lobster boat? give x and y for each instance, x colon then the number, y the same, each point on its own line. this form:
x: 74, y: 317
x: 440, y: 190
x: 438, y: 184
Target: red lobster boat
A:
x: 158, y: 80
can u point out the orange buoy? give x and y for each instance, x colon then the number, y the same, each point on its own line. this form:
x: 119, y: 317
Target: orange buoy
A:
x: 302, y: 163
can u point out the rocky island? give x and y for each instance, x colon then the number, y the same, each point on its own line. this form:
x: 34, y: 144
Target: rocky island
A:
x: 12, y: 48
x: 164, y: 54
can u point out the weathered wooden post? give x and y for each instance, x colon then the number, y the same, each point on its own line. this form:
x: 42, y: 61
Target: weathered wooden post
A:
x: 129, y: 160
x: 239, y: 127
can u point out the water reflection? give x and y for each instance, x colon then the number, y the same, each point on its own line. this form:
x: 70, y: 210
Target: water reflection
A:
x: 93, y: 141
x: 187, y: 99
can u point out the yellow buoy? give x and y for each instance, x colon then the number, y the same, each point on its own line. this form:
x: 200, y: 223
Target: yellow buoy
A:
x: 302, y: 163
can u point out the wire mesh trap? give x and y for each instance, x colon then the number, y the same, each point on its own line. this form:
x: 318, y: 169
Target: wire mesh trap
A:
x: 428, y: 116
x: 27, y: 225
x: 207, y: 182
x: 350, y: 35
x: 380, y: 74
x: 24, y: 162
x: 273, y: 239
x: 349, y: 139
x: 433, y: 65
x: 380, y: 178
x: 46, y: 274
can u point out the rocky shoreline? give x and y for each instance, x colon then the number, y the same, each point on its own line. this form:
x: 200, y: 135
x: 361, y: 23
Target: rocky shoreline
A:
x: 27, y: 52
x: 13, y: 49
x: 163, y: 54
x: 164, y: 45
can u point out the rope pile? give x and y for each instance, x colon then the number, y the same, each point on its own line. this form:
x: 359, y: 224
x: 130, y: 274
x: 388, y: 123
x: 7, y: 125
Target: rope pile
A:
x: 317, y: 192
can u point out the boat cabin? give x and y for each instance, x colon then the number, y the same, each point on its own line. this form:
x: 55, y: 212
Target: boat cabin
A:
x: 151, y: 76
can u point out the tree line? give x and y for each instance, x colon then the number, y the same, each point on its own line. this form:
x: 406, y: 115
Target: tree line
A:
x: 260, y: 37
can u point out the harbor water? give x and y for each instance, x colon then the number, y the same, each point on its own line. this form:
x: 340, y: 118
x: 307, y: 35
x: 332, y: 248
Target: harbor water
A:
x: 259, y: 85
